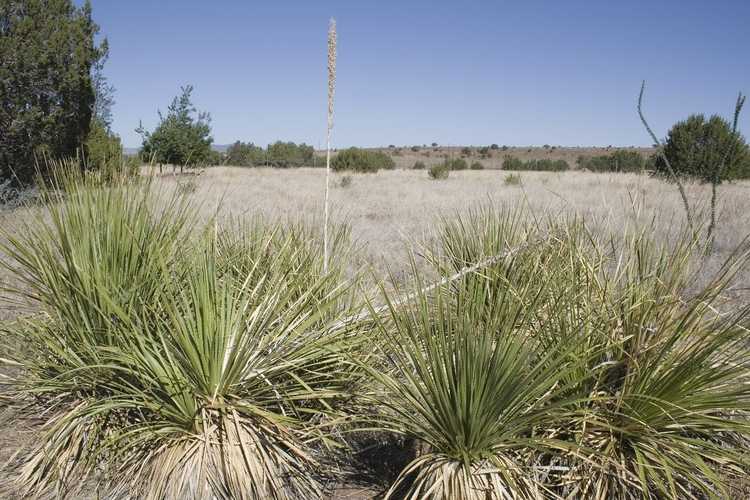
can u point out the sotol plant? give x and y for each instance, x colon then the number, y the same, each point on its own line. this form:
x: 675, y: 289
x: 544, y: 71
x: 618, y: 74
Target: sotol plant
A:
x: 164, y: 365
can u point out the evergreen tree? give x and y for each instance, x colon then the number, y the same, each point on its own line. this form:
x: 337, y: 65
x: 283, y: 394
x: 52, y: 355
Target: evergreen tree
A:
x: 182, y: 137
x: 47, y: 52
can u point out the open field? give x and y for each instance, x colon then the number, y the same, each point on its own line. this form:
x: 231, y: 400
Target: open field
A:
x: 393, y: 213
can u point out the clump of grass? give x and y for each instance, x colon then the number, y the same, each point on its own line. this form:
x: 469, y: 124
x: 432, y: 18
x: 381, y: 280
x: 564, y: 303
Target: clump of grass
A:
x: 419, y: 165
x: 439, y: 171
x: 512, y: 180
x: 477, y: 166
x: 345, y: 181
x: 172, y: 361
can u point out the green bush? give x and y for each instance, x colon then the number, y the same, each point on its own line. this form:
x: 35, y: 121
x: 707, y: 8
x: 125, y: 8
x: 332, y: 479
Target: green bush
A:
x: 439, y: 171
x: 179, y: 351
x: 494, y: 147
x: 419, y: 165
x: 361, y: 160
x: 242, y: 154
x: 466, y: 151
x: 288, y: 154
x: 696, y: 147
x: 477, y: 166
x: 456, y: 164
x: 545, y: 165
x: 619, y: 161
x: 415, y: 149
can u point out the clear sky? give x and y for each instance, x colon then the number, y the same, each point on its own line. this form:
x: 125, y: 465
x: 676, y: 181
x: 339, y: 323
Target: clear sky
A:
x: 561, y: 72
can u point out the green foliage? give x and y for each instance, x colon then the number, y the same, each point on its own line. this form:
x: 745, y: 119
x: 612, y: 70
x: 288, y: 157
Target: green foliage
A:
x: 361, y: 160
x: 544, y: 165
x: 456, y: 164
x: 166, y: 351
x: 182, y: 137
x: 477, y: 166
x: 47, y: 95
x: 697, y: 147
x: 619, y: 161
x: 512, y: 180
x: 288, y: 154
x: 419, y: 165
x: 241, y: 154
x: 102, y: 146
x: 466, y: 151
x: 415, y: 149
x: 648, y: 391
x: 494, y: 147
x: 439, y: 171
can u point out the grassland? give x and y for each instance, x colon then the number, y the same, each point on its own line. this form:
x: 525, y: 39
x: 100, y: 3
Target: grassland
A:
x: 394, y: 213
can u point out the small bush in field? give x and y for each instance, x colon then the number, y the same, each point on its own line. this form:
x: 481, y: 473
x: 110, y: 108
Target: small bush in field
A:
x: 545, y: 165
x: 439, y: 171
x: 457, y: 164
x: 477, y: 166
x: 415, y: 149
x: 419, y: 165
x: 345, y: 181
x: 466, y: 151
x: 512, y: 180
x: 361, y: 160
x: 618, y: 161
x: 494, y: 147
x: 512, y: 163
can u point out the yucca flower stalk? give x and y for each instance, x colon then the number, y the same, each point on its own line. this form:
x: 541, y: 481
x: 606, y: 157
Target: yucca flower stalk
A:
x: 331, y: 92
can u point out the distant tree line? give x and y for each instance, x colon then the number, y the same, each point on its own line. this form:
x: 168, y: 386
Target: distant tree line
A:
x: 279, y: 154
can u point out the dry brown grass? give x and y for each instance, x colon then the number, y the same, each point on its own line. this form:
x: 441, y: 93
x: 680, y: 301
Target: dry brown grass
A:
x: 392, y: 212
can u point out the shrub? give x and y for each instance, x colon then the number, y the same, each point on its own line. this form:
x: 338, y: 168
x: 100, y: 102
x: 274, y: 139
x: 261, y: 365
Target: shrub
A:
x: 457, y: 164
x: 242, y: 154
x: 477, y: 166
x: 512, y: 180
x: 439, y: 171
x: 361, y: 160
x: 618, y: 161
x: 656, y: 404
x: 466, y: 151
x: 545, y: 165
x: 504, y: 148
x: 419, y: 165
x: 484, y: 151
x: 415, y: 149
x: 434, y: 144
x: 345, y: 181
x: 167, y: 351
x: 494, y: 147
x: 288, y: 154
x: 695, y: 147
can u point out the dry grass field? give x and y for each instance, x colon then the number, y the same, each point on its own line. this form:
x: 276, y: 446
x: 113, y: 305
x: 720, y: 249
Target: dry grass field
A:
x: 393, y: 213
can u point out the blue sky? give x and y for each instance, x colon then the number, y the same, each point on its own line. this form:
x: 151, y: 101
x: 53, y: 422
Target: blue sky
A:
x: 413, y: 72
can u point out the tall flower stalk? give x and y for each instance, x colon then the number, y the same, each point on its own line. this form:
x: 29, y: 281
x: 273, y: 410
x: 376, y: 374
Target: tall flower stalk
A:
x: 331, y: 93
